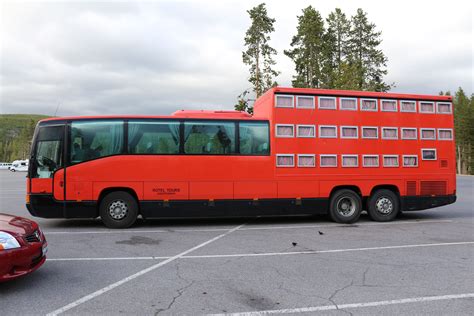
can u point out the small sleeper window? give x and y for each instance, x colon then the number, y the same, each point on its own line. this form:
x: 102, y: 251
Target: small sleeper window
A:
x: 410, y: 161
x: 285, y: 130
x: 428, y: 154
x: 348, y: 104
x: 445, y: 134
x: 305, y: 131
x: 350, y: 161
x: 409, y: 133
x: 349, y: 132
x: 285, y: 160
x: 306, y: 161
x: 327, y: 103
x: 284, y: 101
x: 370, y: 160
x: 389, y: 106
x: 370, y: 132
x: 407, y: 106
x: 427, y: 134
x: 389, y: 133
x: 328, y: 160
x: 444, y: 108
x: 305, y: 102
x: 427, y: 107
x: 368, y: 105
x: 390, y: 160
x: 326, y: 131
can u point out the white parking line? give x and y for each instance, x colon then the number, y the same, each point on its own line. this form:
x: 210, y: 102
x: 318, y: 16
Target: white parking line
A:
x: 266, y: 254
x: 130, y: 231
x: 138, y: 274
x: 354, y: 305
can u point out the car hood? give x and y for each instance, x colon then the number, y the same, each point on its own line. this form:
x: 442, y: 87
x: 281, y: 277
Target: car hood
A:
x: 16, y: 225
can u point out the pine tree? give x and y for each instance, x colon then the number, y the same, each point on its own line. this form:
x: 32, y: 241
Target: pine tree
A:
x: 364, y: 53
x: 307, y: 49
x: 337, y: 73
x: 243, y: 103
x: 259, y: 53
x: 462, y: 126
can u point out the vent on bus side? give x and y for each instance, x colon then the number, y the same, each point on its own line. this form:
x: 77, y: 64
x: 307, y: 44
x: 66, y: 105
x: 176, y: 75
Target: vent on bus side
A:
x: 411, y: 187
x: 433, y: 188
x: 443, y: 163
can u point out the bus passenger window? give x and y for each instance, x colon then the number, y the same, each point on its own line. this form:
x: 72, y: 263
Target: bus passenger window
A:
x: 153, y: 137
x: 254, y: 138
x: 95, y: 139
x: 209, y: 137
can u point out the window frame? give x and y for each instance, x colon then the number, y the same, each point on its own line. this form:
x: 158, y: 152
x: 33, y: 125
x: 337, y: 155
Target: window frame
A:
x: 445, y: 129
x: 405, y: 111
x: 429, y: 149
x: 348, y: 137
x: 450, y: 108
x: 327, y: 97
x: 427, y: 112
x: 237, y: 135
x: 388, y: 100
x: 304, y: 125
x: 408, y: 128
x: 285, y: 125
x: 327, y: 155
x: 343, y: 98
x: 410, y: 156
x: 371, y: 127
x: 284, y: 155
x: 306, y: 155
x: 332, y: 126
x: 138, y: 120
x: 389, y: 127
x: 369, y: 99
x: 284, y: 95
x: 349, y: 156
x: 428, y: 129
x: 303, y: 107
x: 391, y: 156
x: 368, y: 156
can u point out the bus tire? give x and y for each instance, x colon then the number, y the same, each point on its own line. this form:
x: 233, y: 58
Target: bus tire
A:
x: 345, y: 206
x: 384, y: 206
x: 118, y: 209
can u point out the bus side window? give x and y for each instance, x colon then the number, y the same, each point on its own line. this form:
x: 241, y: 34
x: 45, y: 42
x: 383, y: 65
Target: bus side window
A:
x: 254, y: 138
x: 209, y: 137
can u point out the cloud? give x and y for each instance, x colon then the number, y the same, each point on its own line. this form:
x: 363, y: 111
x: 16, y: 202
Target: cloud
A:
x: 157, y: 57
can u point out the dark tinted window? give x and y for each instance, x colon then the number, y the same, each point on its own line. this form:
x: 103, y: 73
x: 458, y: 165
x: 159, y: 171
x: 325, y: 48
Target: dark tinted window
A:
x: 209, y: 137
x: 153, y: 137
x: 48, y: 155
x: 254, y: 138
x: 95, y: 139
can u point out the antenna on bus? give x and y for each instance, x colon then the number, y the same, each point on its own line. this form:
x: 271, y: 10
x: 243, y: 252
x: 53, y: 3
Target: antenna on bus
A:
x: 57, y: 108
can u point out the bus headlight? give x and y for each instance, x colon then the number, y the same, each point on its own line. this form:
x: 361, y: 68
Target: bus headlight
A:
x: 7, y: 241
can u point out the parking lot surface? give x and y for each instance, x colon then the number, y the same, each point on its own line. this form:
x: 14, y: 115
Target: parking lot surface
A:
x: 422, y: 263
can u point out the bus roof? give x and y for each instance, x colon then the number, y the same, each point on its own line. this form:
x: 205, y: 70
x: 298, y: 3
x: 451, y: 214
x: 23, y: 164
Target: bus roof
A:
x: 368, y: 94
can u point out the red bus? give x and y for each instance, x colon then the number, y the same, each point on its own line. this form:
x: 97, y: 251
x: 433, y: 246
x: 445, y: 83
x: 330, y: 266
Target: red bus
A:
x: 304, y: 151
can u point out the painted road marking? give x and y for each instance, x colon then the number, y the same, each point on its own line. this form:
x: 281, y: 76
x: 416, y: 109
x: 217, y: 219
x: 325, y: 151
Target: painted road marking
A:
x: 354, y: 305
x: 266, y: 254
x: 138, y: 274
x: 115, y: 231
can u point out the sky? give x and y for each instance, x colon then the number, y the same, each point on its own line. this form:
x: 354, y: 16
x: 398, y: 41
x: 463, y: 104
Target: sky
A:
x: 156, y: 57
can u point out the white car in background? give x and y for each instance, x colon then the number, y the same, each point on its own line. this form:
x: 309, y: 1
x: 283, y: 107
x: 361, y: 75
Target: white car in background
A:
x: 5, y: 165
x: 19, y: 165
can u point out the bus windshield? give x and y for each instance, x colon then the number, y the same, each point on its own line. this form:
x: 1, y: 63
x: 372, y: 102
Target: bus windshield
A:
x: 48, y: 151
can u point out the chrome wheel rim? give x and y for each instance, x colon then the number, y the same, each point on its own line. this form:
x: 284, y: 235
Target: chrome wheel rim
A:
x: 346, y: 206
x: 118, y: 209
x: 384, y: 205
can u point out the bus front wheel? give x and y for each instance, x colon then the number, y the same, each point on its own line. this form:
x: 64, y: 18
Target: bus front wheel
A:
x: 118, y: 210
x: 345, y: 206
x: 383, y: 206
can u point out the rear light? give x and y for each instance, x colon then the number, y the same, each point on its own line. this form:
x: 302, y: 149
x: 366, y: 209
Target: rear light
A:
x: 27, y: 198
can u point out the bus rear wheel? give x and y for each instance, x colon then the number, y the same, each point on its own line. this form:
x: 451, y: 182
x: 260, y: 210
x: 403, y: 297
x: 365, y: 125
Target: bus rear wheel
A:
x: 345, y: 206
x: 383, y: 206
x: 118, y: 209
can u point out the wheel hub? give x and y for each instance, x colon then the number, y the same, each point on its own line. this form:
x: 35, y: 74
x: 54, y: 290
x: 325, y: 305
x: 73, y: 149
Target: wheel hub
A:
x: 384, y: 206
x: 118, y: 209
x: 346, y: 206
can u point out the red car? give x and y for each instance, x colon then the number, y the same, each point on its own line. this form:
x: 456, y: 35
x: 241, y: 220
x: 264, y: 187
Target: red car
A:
x: 22, y: 247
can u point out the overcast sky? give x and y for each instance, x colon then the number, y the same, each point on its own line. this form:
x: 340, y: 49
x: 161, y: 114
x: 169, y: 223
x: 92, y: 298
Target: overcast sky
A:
x: 156, y: 57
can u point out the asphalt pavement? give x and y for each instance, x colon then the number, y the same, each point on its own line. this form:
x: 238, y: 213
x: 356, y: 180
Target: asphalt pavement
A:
x: 420, y: 264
